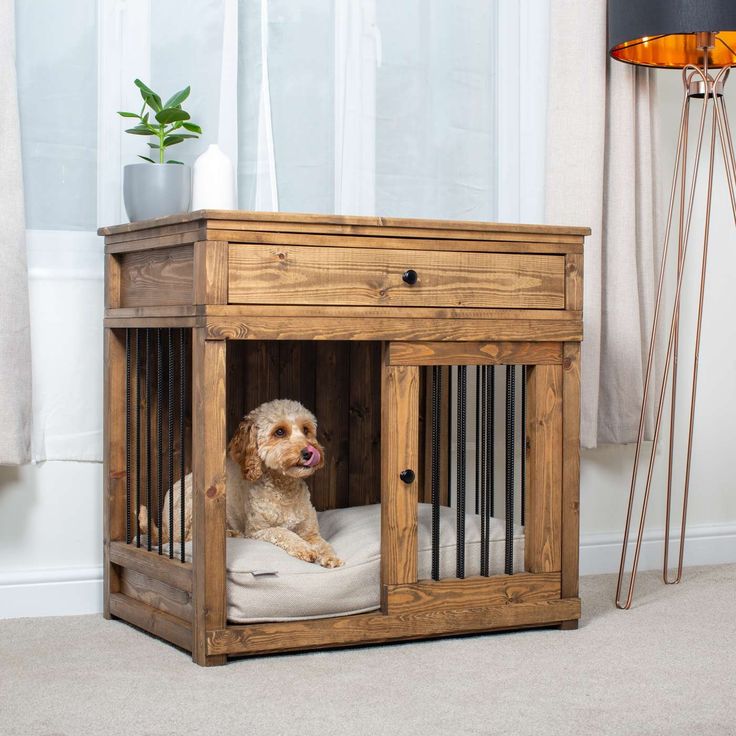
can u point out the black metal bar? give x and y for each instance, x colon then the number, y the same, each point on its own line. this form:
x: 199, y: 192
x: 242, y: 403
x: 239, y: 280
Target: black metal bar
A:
x: 510, y: 397
x: 159, y: 437
x: 127, y: 435
x: 149, y: 471
x: 182, y: 435
x: 449, y: 435
x: 491, y: 440
x: 436, y: 408
x: 462, y: 405
x: 523, y: 442
x: 138, y: 345
x: 477, y: 438
x: 481, y: 441
x: 170, y: 419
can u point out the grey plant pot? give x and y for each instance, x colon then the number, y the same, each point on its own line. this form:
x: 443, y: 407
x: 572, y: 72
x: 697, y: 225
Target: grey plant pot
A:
x: 156, y: 190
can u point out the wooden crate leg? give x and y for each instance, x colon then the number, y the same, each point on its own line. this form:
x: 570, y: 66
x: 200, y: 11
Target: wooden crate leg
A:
x: 208, y: 510
x: 570, y: 469
x: 399, y: 451
x: 113, y: 459
x: 544, y: 469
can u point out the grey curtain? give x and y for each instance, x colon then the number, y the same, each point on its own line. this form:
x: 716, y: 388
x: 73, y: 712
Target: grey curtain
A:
x: 15, y: 342
x: 601, y: 168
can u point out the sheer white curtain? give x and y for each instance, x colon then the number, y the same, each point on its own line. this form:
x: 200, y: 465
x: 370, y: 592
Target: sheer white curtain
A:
x: 56, y: 58
x: 15, y: 384
x: 367, y: 106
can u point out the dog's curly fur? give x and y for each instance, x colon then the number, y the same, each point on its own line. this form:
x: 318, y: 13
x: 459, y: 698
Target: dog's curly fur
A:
x: 273, y: 450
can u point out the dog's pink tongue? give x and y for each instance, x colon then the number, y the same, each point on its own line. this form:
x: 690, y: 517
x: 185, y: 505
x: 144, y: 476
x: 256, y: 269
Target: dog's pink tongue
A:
x: 315, y: 458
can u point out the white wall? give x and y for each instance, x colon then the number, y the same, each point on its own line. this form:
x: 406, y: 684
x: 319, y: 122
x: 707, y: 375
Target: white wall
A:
x: 50, y: 514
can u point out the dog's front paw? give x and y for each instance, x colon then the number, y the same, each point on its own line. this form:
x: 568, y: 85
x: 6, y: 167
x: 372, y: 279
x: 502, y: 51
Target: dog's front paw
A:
x: 330, y: 561
x: 305, y: 553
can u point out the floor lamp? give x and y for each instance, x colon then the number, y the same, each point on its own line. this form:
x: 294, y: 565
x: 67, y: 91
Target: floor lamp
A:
x: 697, y: 37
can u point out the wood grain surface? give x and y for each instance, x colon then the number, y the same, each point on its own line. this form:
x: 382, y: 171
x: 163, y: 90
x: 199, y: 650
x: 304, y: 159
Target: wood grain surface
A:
x: 299, y: 275
x: 400, y: 451
x: 157, y: 278
x: 544, y: 469
x: 370, y: 628
x: 471, y: 592
x: 208, y: 508
x: 475, y: 353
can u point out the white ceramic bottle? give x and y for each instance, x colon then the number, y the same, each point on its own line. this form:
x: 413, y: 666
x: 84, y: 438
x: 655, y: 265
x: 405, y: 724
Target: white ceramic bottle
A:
x: 213, y: 181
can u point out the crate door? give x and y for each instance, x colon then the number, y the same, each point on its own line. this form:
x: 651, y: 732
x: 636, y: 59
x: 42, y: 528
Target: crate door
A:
x: 472, y: 434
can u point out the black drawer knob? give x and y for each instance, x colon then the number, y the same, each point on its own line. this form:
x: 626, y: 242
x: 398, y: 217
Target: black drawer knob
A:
x: 410, y: 277
x: 407, y: 476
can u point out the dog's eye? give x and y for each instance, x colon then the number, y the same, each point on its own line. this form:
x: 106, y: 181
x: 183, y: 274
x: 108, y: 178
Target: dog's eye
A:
x: 280, y: 432
x: 306, y: 429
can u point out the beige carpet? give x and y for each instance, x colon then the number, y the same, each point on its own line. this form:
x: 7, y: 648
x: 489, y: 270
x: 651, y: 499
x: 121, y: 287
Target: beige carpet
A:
x: 666, y: 667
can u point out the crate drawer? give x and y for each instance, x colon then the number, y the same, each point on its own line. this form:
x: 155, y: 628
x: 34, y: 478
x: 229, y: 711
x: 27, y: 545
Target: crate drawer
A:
x: 283, y: 274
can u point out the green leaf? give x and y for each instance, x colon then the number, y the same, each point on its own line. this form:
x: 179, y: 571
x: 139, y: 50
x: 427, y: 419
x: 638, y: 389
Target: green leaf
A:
x: 149, y: 96
x: 128, y: 114
x: 171, y: 115
x: 153, y: 101
x: 193, y: 127
x: 154, y: 145
x: 139, y: 130
x: 142, y: 87
x: 171, y: 161
x: 177, y: 98
x: 145, y: 158
x: 172, y: 140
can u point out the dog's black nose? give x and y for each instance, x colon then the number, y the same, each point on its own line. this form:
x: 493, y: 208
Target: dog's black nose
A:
x: 306, y: 453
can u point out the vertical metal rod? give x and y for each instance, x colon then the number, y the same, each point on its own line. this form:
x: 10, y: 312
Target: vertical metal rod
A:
x: 436, y: 409
x: 682, y: 143
x: 491, y: 440
x: 510, y: 391
x: 462, y: 384
x: 675, y: 357
x: 127, y: 435
x: 477, y: 440
x: 170, y: 457
x: 138, y: 346
x: 696, y: 358
x: 523, y: 442
x: 682, y: 140
x: 149, y: 391
x: 449, y: 436
x: 159, y: 437
x: 182, y: 435
x: 481, y: 440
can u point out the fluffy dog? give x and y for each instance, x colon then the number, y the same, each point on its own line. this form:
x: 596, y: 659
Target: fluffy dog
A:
x: 273, y: 450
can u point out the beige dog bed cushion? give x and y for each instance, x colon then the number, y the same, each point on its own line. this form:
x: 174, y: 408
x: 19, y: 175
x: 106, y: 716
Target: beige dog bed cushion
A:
x: 264, y: 583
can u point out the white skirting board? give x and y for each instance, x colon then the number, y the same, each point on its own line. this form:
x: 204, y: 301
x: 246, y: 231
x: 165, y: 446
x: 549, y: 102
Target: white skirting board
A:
x: 76, y: 591
x: 706, y: 544
x: 69, y: 591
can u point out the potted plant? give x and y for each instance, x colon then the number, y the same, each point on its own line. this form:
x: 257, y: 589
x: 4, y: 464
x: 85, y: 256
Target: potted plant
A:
x: 161, y: 186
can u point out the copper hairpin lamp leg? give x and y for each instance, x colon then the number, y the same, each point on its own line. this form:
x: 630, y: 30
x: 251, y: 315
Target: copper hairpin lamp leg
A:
x: 698, y: 84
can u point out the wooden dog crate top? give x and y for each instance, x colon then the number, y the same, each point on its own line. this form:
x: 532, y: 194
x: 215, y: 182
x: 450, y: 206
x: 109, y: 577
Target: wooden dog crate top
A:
x: 380, y: 309
x: 354, y: 267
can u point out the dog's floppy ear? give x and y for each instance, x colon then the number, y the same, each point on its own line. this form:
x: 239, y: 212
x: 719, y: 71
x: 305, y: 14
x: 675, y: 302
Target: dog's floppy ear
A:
x: 243, y: 449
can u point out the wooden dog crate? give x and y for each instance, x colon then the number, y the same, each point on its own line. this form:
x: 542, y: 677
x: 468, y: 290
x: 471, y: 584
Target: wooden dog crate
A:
x: 376, y: 325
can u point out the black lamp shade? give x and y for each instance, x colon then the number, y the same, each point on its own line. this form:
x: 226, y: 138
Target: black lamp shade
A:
x: 662, y: 32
